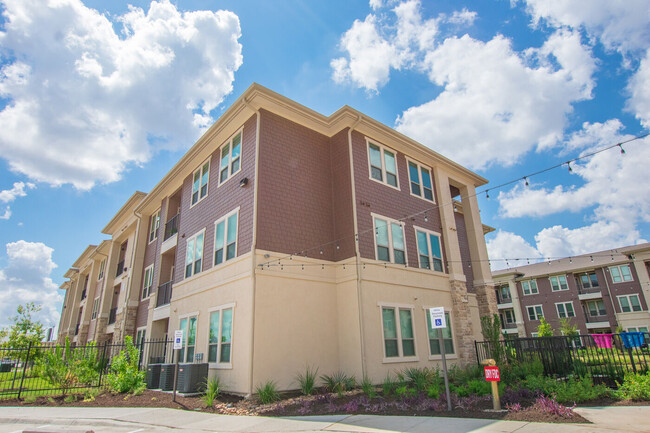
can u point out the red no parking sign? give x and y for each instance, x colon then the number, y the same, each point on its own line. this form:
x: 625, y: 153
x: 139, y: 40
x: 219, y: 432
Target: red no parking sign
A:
x: 492, y: 374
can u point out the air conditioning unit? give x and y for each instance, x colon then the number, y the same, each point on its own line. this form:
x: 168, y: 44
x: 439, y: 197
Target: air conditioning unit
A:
x: 153, y: 376
x: 191, y: 377
x: 166, y: 382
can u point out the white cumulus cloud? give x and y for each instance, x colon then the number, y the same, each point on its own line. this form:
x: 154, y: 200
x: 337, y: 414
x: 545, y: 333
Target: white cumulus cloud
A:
x: 86, y: 102
x: 26, y: 278
x: 507, y: 245
x: 9, y: 195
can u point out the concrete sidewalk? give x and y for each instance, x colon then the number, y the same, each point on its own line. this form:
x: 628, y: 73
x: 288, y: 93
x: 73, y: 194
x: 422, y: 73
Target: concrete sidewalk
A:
x: 144, y: 420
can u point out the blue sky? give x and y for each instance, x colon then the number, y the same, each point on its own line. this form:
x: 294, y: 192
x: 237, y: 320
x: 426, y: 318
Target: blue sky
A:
x: 99, y: 99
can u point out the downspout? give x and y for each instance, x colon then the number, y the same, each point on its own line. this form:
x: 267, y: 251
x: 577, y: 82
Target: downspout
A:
x: 356, y: 247
x: 254, y: 245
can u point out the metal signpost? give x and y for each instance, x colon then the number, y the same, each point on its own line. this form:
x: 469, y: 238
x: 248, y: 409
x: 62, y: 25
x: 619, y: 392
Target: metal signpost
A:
x: 437, y: 316
x: 178, y: 345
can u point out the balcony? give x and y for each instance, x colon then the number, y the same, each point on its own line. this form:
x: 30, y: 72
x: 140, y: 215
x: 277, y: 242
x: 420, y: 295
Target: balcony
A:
x: 587, y: 293
x: 83, y: 294
x: 171, y: 227
x: 164, y: 296
x: 596, y: 322
x: 120, y: 269
x: 112, y: 315
x: 76, y: 330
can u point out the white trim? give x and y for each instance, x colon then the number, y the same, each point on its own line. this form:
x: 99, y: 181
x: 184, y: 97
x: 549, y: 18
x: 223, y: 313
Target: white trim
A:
x: 453, y: 337
x: 391, y: 252
x: 207, y: 189
x: 225, y: 237
x: 382, y: 149
x: 417, y: 249
x: 185, y: 336
x: 557, y: 310
x: 241, y: 153
x: 537, y: 317
x: 194, y: 236
x: 144, y: 281
x: 154, y: 232
x: 623, y: 280
x: 420, y: 166
x: 629, y: 297
x: 102, y: 270
x: 559, y: 284
x: 218, y: 364
x: 398, y: 331
x: 530, y: 289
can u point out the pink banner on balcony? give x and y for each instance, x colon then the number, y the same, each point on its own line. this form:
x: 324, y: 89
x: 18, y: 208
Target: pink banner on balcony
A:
x: 603, y: 341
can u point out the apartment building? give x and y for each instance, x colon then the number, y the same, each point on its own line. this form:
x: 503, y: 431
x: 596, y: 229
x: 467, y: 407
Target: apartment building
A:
x: 285, y: 238
x: 599, y: 292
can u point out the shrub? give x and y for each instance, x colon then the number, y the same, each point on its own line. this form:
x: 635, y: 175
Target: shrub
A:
x: 549, y: 405
x: 389, y: 385
x: 634, y: 387
x: 268, y: 393
x: 65, y: 368
x: 212, y: 390
x: 462, y: 375
x: 307, y: 380
x: 368, y: 388
x: 479, y: 387
x: 433, y: 391
x: 544, y: 329
x: 339, y: 382
x: 404, y: 391
x: 419, y: 378
x: 578, y: 391
x: 491, y: 329
x: 519, y: 371
x: 125, y: 376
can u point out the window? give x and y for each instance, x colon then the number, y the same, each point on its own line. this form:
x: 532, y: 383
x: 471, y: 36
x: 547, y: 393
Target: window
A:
x: 639, y: 329
x: 420, y: 179
x: 565, y: 309
x: 620, y: 273
x: 230, y: 158
x: 383, y: 165
x: 188, y: 326
x: 503, y: 293
x: 429, y: 251
x: 194, y: 255
x: 529, y: 287
x: 220, y: 337
x: 535, y: 312
x: 507, y: 317
x: 93, y: 316
x: 399, y: 340
x: 434, y: 338
x: 558, y: 282
x: 534, y: 334
x: 102, y: 268
x: 595, y: 308
x: 153, y: 226
x: 139, y: 337
x: 629, y: 303
x: 200, y: 183
x: 147, y: 282
x: 225, y: 238
x: 588, y: 280
x: 389, y: 240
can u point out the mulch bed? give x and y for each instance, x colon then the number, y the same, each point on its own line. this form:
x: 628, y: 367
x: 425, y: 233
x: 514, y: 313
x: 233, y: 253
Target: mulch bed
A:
x: 298, y: 405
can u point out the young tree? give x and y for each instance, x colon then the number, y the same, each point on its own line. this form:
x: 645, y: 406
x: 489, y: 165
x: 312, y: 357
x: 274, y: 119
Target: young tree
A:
x: 544, y: 329
x: 24, y: 330
x: 567, y: 328
x: 491, y: 329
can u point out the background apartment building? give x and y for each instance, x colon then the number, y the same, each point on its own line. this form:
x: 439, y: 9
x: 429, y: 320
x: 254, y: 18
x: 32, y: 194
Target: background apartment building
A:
x: 598, y: 292
x: 284, y: 238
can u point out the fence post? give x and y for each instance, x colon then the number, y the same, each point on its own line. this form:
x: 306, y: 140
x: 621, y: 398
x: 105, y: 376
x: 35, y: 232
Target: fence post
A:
x: 101, y: 370
x: 22, y: 379
x: 141, y: 354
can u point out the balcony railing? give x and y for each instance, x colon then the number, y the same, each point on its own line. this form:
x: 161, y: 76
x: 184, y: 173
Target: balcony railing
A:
x: 164, y: 296
x: 76, y: 330
x: 595, y: 319
x: 503, y: 299
x: 171, y: 227
x: 83, y: 294
x: 112, y: 315
x: 120, y: 269
x: 508, y: 326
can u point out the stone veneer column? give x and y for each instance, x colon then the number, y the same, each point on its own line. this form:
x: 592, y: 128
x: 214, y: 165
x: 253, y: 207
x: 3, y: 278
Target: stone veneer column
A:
x: 462, y: 323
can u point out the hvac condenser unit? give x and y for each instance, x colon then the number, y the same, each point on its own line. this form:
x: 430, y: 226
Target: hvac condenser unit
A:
x: 166, y: 382
x: 191, y: 377
x: 153, y: 376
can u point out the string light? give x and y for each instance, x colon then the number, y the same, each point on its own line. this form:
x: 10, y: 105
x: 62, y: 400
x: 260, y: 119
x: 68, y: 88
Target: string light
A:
x: 526, y: 180
x: 487, y: 195
x: 622, y: 150
x: 568, y: 164
x: 426, y: 219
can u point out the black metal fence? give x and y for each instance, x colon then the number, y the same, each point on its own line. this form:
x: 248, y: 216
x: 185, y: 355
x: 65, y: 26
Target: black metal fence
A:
x: 605, y: 357
x: 49, y: 370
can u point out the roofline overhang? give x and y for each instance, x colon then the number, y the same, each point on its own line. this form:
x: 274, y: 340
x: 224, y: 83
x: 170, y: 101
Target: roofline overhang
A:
x: 125, y: 211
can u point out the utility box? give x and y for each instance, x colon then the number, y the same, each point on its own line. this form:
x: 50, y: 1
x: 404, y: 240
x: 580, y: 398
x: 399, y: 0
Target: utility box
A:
x: 166, y: 382
x: 153, y: 376
x: 191, y: 377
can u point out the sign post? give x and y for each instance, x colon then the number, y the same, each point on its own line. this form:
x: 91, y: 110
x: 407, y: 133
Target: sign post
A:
x: 437, y: 316
x: 492, y: 375
x: 178, y: 345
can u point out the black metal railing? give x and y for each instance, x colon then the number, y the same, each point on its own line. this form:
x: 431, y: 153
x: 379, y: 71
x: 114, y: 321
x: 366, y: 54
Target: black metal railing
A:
x: 112, y: 315
x: 171, y: 227
x: 76, y: 330
x: 120, y: 269
x: 606, y: 357
x: 503, y: 299
x: 588, y: 290
x: 596, y: 319
x: 164, y: 295
x: 508, y: 325
x: 83, y: 294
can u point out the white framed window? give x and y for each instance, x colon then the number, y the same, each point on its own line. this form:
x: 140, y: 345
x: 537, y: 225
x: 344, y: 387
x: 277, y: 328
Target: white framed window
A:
x: 565, y: 309
x: 200, y: 180
x: 620, y: 273
x: 383, y: 164
x: 420, y: 181
x: 399, y: 338
x: 194, y: 254
x: 534, y: 334
x: 529, y: 287
x: 638, y: 329
x: 225, y: 237
x: 220, y: 336
x: 102, y: 269
x: 508, y: 317
x: 535, y: 312
x: 147, y: 281
x: 629, y: 303
x: 558, y: 282
x: 230, y: 158
x: 588, y: 280
x: 434, y: 340
x: 389, y: 240
x: 429, y: 249
x: 140, y: 336
x: 595, y: 307
x: 93, y: 316
x: 154, y: 223
x: 188, y: 326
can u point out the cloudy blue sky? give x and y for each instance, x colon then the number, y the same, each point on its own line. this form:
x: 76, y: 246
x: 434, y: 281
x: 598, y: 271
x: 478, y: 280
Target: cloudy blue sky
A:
x: 99, y: 99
